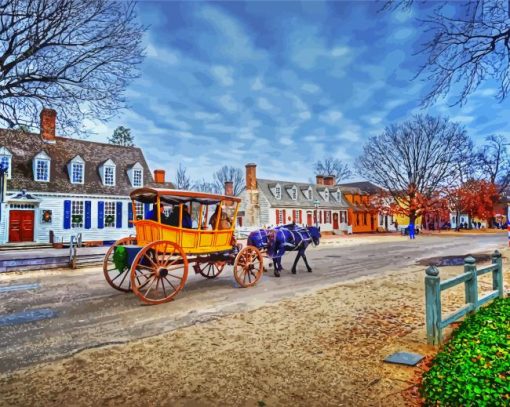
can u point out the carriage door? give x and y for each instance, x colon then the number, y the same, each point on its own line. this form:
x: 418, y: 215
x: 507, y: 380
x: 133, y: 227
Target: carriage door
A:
x: 335, y: 221
x: 21, y: 226
x: 309, y: 219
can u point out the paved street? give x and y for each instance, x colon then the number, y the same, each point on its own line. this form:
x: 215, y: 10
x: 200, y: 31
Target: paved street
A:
x: 89, y: 313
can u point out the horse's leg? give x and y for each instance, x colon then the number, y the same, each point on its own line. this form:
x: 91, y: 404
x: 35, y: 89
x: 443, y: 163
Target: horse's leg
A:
x: 276, y: 270
x: 304, y: 258
x: 299, y: 254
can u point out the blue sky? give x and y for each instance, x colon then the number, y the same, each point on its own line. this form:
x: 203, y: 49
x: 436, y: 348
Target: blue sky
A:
x: 281, y: 84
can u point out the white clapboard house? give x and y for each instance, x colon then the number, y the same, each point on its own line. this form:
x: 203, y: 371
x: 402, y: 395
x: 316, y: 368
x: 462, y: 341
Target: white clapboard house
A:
x: 275, y: 202
x: 57, y: 187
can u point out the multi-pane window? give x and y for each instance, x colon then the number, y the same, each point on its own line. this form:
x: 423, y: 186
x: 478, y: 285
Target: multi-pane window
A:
x: 137, y: 178
x: 77, y: 173
x: 278, y: 192
x: 326, y: 195
x: 280, y: 217
x: 109, y: 175
x: 296, y: 215
x: 77, y: 214
x: 294, y: 193
x: 327, y: 217
x: 109, y: 214
x: 5, y: 160
x: 310, y: 194
x: 139, y: 211
x: 42, y: 170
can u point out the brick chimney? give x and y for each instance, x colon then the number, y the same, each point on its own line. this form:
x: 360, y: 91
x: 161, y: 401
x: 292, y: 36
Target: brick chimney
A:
x: 159, y: 176
x: 251, y: 177
x: 329, y: 180
x: 229, y: 188
x: 48, y: 121
x: 320, y: 179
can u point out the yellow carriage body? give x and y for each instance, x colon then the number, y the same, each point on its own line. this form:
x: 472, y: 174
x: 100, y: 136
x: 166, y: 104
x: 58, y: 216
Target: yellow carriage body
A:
x: 193, y: 241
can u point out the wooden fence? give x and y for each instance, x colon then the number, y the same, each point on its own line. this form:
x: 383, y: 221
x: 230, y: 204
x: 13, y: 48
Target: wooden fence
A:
x: 433, y: 287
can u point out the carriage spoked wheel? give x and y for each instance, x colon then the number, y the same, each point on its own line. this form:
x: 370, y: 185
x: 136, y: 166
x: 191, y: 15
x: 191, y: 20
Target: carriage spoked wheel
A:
x: 248, y: 266
x: 211, y: 269
x: 159, y: 272
x: 115, y: 266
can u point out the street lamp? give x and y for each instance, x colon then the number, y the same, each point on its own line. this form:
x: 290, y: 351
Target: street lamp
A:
x: 4, y: 167
x: 316, y: 205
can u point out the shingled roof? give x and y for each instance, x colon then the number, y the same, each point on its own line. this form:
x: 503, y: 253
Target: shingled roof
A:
x: 25, y: 146
x: 363, y: 186
x: 265, y: 185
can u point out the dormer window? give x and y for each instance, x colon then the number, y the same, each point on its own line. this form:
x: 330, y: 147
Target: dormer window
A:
x: 310, y: 194
x: 76, y: 169
x: 278, y: 192
x: 326, y: 195
x: 6, y: 161
x: 135, y: 174
x: 293, y: 193
x: 42, y: 167
x: 107, y: 171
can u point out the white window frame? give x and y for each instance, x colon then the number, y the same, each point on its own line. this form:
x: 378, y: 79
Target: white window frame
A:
x: 310, y: 194
x: 326, y: 195
x: 42, y: 158
x: 140, y: 181
x: 110, y: 209
x: 327, y: 216
x: 278, y: 191
x: 105, y: 175
x: 75, y: 162
x: 77, y: 208
x: 294, y: 193
x: 280, y: 219
x: 139, y: 211
x: 136, y: 168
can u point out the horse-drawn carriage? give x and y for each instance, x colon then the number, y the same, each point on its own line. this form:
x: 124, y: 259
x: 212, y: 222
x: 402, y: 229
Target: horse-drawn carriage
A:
x: 154, y: 263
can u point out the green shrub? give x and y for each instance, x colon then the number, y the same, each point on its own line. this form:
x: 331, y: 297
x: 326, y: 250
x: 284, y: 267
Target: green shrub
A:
x: 473, y: 369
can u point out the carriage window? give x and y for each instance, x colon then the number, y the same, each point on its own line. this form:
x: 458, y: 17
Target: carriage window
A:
x: 76, y: 214
x: 109, y: 214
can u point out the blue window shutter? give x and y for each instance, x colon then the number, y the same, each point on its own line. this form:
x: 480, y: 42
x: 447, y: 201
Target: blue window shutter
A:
x: 100, y: 214
x: 67, y: 214
x: 88, y: 214
x: 130, y: 215
x: 118, y: 218
x: 146, y: 209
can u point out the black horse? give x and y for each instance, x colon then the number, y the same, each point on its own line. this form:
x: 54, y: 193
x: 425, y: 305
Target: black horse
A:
x: 285, y: 238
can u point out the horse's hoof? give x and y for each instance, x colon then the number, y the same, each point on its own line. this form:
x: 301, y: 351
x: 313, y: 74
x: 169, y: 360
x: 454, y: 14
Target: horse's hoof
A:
x: 309, y: 270
x: 293, y: 271
x: 276, y: 274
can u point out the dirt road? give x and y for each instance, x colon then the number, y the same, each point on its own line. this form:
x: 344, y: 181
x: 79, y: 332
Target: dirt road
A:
x: 89, y: 313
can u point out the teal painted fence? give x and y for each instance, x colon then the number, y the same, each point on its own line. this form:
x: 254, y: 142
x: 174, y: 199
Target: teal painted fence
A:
x: 433, y: 287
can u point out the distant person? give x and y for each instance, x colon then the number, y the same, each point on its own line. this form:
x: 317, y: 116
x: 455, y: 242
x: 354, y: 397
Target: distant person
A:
x: 396, y: 225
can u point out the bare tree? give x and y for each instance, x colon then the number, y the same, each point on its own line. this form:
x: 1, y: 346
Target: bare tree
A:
x: 493, y: 161
x: 414, y: 161
x: 332, y: 166
x: 232, y: 174
x: 205, y: 186
x: 183, y: 180
x: 122, y: 136
x: 75, y: 56
x: 467, y: 46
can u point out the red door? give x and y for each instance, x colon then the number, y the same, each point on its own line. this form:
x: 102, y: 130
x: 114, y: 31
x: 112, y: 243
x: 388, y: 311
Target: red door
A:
x: 21, y: 226
x: 309, y: 219
x: 335, y: 221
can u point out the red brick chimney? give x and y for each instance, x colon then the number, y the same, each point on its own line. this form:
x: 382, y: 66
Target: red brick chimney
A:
x: 329, y: 180
x: 48, y: 122
x: 229, y: 188
x: 251, y: 176
x: 159, y: 176
x: 320, y: 179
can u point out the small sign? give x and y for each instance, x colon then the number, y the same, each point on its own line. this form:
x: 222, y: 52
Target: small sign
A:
x: 404, y: 358
x: 47, y: 216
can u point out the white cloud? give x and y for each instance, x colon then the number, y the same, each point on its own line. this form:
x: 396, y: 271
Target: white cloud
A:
x: 286, y: 141
x: 310, y: 88
x: 223, y: 74
x: 206, y: 116
x: 228, y: 103
x: 305, y: 115
x: 162, y: 54
x: 264, y: 104
x: 257, y: 84
x: 339, y: 51
x: 331, y: 117
x: 463, y: 119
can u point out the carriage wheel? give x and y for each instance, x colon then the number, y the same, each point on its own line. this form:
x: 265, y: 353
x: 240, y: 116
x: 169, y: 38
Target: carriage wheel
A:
x: 159, y: 272
x: 210, y: 269
x: 118, y: 279
x: 248, y: 266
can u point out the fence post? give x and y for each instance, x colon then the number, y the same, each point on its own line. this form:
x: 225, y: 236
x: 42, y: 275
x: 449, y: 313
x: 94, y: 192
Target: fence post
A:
x: 471, y: 285
x: 433, y: 305
x: 497, y: 276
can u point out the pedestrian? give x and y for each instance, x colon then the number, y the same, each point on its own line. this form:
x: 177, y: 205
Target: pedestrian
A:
x: 396, y: 225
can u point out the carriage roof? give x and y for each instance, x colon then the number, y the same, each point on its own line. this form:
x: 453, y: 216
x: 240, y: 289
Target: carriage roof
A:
x: 177, y: 196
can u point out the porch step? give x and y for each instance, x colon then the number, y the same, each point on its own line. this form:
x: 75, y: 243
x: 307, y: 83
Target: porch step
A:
x: 24, y: 246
